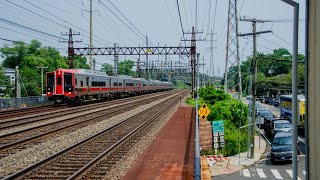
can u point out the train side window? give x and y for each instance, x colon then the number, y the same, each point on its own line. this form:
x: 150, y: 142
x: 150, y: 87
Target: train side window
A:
x: 81, y: 83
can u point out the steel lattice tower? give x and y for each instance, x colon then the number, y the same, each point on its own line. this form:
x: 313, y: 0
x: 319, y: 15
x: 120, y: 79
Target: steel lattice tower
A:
x: 232, y: 48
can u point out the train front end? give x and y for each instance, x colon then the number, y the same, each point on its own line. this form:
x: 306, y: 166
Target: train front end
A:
x: 60, y: 85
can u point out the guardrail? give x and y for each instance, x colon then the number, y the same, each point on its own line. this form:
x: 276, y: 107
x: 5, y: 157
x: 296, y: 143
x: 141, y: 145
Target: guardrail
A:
x: 9, y: 103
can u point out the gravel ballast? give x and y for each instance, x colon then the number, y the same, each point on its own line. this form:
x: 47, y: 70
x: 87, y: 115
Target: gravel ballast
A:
x: 121, y: 168
x: 26, y: 157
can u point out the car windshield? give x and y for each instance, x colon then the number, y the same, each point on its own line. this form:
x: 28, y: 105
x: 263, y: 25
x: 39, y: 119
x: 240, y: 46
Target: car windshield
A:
x: 283, y: 125
x: 282, y: 141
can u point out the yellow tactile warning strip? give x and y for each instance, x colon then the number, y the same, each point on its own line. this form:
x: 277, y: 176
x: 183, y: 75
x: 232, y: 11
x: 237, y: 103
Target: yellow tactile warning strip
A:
x: 205, y: 172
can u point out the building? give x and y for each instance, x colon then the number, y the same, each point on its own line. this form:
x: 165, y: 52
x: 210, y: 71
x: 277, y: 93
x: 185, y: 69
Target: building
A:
x: 9, y: 73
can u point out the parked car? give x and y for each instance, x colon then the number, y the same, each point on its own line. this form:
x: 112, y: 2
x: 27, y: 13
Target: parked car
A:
x: 282, y: 126
x: 281, y: 148
x: 276, y: 102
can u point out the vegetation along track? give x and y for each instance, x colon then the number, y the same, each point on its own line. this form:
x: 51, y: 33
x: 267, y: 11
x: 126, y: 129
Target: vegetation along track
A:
x: 22, y: 121
x: 12, y: 142
x: 94, y: 156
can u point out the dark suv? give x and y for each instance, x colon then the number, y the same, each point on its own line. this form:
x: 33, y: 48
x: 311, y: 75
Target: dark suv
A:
x: 281, y: 148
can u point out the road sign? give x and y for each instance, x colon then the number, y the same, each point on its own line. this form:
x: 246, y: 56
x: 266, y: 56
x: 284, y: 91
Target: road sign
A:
x: 215, y: 139
x: 222, y: 139
x: 218, y: 126
x: 221, y: 133
x: 222, y: 145
x: 215, y: 134
x: 204, y: 111
x: 216, y: 145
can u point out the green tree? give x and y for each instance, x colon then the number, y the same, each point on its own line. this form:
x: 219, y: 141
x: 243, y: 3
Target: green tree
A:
x: 107, y: 68
x: 125, y: 68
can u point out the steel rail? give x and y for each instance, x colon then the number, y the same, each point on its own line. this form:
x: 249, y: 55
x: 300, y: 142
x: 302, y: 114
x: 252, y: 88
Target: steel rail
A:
x: 110, y: 111
x: 96, y: 160
x: 63, y: 112
x: 35, y: 166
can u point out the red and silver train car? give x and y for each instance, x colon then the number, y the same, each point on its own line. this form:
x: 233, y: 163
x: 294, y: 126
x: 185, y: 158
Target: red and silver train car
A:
x: 74, y: 85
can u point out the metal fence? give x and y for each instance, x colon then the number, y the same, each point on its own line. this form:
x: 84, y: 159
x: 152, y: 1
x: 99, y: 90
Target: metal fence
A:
x: 9, y: 103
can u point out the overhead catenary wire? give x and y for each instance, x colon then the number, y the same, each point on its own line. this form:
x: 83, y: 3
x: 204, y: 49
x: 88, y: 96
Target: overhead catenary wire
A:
x: 181, y: 23
x: 61, y: 25
x: 106, y: 7
x: 128, y: 20
x: 30, y: 36
x: 11, y: 23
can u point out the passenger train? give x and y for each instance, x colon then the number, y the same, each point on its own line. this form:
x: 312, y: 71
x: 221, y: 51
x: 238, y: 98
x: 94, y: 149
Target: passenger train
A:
x: 74, y: 85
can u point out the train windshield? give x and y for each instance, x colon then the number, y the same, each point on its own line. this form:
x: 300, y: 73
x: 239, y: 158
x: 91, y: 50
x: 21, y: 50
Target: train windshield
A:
x: 50, y: 80
x: 67, y: 79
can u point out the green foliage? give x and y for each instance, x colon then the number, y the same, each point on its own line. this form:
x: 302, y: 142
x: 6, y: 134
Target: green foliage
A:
x: 233, y: 112
x: 107, y: 68
x: 274, y: 71
x: 125, y: 67
x: 211, y: 95
x: 28, y: 57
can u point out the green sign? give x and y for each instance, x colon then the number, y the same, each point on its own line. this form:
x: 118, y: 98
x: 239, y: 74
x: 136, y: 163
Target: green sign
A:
x: 218, y: 126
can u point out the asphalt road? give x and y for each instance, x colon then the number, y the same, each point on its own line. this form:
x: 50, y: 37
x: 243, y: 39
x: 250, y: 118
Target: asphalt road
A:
x: 264, y: 169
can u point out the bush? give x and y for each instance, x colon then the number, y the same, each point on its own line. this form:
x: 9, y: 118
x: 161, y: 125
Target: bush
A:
x: 233, y: 112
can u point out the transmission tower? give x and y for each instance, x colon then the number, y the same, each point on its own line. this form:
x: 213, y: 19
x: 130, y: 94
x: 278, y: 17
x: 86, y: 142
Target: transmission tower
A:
x: 211, y: 65
x: 232, y: 48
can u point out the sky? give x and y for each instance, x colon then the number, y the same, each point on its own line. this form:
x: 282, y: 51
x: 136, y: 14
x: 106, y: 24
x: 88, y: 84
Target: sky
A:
x: 127, y: 22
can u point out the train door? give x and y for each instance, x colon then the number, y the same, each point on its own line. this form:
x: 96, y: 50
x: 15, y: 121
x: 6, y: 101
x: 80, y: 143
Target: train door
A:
x: 87, y: 84
x: 59, y: 89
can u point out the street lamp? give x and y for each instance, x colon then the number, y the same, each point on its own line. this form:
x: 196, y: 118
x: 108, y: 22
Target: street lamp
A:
x: 294, y: 108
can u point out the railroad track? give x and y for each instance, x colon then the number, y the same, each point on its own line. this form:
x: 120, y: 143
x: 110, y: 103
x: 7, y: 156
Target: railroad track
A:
x: 18, y: 112
x: 16, y: 141
x: 22, y: 121
x: 94, y: 156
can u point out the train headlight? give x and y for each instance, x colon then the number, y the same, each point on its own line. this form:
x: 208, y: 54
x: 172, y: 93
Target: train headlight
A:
x: 69, y: 92
x: 49, y: 93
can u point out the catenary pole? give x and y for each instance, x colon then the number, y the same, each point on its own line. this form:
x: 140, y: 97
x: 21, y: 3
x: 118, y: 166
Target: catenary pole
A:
x: 91, y: 34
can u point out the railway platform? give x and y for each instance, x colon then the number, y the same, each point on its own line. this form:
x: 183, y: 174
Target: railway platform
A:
x: 171, y: 154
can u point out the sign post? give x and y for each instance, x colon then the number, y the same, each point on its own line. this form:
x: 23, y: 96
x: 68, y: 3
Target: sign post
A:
x: 218, y: 133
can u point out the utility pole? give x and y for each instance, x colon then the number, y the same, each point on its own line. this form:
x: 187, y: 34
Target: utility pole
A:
x: 94, y: 63
x: 70, y: 47
x: 42, y: 67
x: 147, y: 60
x: 232, y: 47
x: 193, y: 56
x: 90, y: 34
x: 115, y: 60
x: 17, y: 83
x: 254, y: 79
x: 202, y: 82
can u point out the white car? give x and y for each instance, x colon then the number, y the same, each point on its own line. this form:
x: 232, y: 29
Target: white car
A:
x: 282, y: 126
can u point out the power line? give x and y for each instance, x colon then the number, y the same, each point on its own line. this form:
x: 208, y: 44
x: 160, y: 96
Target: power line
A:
x: 285, y: 41
x: 181, y: 23
x: 126, y: 18
x: 26, y: 27
x: 12, y: 40
x: 123, y: 21
x: 31, y: 36
x: 64, y: 26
